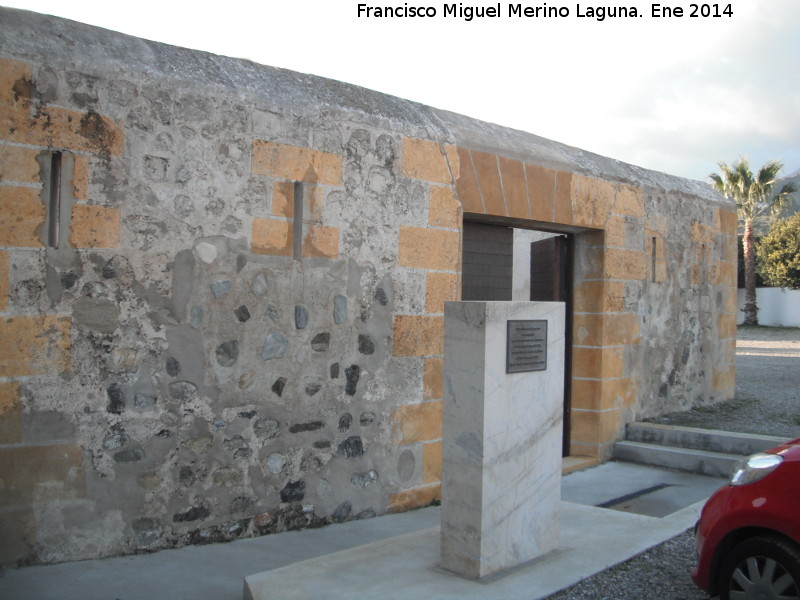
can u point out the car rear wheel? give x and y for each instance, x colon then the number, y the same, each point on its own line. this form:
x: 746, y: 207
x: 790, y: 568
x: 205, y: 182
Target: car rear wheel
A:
x: 763, y: 568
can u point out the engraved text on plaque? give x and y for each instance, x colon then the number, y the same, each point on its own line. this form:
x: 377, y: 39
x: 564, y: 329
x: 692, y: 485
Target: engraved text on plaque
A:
x: 526, y: 346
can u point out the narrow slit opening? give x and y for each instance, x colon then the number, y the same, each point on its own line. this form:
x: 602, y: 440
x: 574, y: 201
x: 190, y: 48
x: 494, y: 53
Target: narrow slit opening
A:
x: 297, y: 226
x: 54, y: 203
x: 653, y: 260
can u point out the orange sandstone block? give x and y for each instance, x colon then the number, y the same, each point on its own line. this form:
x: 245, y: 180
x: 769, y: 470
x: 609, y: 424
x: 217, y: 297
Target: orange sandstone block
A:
x: 443, y: 208
x: 271, y: 236
x: 726, y: 326
x: 417, y: 422
x: 624, y: 264
x: 584, y: 196
x: 56, y: 127
x: 432, y: 462
x: 597, y: 363
x: 602, y: 394
x: 541, y: 192
x: 467, y: 184
x: 418, y: 336
x: 629, y: 201
x: 424, y: 248
x: 488, y: 176
x: 586, y: 394
x: 725, y: 274
x: 94, y: 227
x: 15, y: 82
x: 730, y: 300
x: 296, y: 163
x: 661, y: 271
x: 80, y: 178
x: 515, y: 189
x: 440, y: 288
x: 726, y: 352
x: 34, y: 346
x: 702, y: 234
x: 606, y: 193
x: 453, y: 161
x: 433, y: 379
x: 728, y: 221
x: 22, y: 217
x: 425, y: 159
x: 587, y: 362
x: 563, y: 199
x: 414, y: 498
x: 616, y: 231
x: 599, y: 296
x: 587, y: 329
x: 18, y: 165
x: 614, y: 298
x: 283, y: 199
x: 594, y: 427
x: 592, y: 200
x: 321, y: 242
x: 588, y: 296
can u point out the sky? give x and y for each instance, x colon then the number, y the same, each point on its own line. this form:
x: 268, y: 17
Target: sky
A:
x: 673, y: 94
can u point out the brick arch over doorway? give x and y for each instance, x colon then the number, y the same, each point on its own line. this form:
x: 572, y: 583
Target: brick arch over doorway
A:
x: 618, y: 249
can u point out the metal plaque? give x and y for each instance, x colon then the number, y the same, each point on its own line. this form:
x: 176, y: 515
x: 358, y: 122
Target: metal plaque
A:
x: 526, y: 346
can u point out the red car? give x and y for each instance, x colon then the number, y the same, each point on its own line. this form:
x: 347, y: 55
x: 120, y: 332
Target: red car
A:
x: 748, y: 536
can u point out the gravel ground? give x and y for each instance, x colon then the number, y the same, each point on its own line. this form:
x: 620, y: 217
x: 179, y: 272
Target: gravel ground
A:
x: 768, y: 402
x: 661, y: 573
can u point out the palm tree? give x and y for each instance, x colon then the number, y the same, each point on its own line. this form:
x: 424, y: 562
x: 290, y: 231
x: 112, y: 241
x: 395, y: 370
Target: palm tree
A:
x: 755, y: 201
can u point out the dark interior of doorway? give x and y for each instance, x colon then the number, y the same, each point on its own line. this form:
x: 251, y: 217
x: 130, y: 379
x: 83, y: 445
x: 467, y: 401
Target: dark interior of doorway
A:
x: 487, y: 274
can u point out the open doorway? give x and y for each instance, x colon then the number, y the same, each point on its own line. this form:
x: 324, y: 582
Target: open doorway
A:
x: 502, y: 263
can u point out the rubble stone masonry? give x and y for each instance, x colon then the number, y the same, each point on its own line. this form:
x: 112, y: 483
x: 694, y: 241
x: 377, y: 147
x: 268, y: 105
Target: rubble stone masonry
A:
x: 222, y: 291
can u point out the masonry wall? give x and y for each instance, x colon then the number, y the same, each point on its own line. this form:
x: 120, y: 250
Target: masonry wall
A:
x: 222, y: 290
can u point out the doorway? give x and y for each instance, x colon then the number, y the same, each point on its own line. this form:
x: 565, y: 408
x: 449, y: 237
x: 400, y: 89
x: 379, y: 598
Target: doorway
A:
x: 494, y: 268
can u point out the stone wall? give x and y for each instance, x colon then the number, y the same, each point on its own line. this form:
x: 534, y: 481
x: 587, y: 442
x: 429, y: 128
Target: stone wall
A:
x: 222, y: 289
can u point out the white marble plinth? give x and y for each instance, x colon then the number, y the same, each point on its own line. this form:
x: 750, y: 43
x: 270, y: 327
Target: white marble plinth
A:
x: 501, y: 480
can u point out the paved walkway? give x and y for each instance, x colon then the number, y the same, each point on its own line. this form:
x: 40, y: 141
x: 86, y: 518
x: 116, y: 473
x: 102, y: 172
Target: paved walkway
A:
x: 389, y: 557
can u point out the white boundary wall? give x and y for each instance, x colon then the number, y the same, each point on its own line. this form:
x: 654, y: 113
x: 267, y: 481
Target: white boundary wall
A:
x: 776, y: 307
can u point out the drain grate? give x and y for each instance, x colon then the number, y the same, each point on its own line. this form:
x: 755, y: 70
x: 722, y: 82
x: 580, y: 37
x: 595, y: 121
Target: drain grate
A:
x: 633, y: 495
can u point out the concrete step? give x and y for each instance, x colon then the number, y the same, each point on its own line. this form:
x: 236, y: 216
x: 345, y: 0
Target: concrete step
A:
x: 702, y: 462
x: 726, y: 442
x: 702, y: 451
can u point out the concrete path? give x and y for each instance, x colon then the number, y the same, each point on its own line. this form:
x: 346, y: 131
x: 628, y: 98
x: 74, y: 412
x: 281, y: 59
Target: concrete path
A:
x: 388, y: 557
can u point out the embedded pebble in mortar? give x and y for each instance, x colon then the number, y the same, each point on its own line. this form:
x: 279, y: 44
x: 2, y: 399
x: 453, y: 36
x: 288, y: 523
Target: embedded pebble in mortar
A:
x: 206, y: 252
